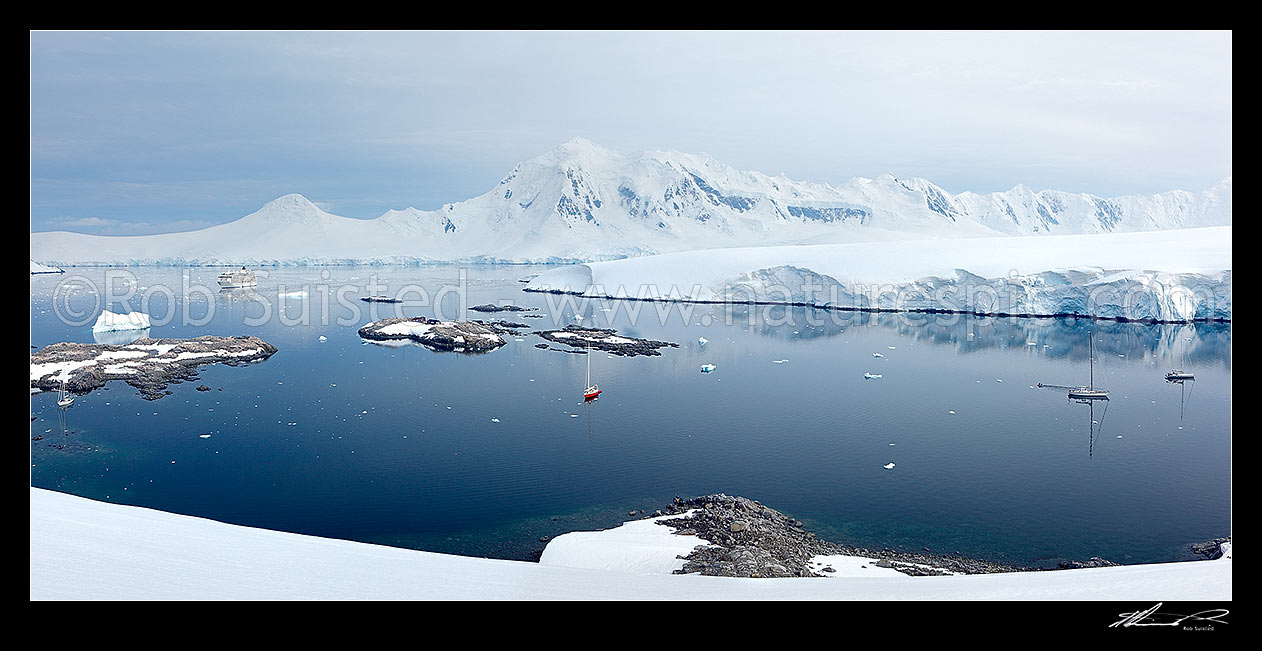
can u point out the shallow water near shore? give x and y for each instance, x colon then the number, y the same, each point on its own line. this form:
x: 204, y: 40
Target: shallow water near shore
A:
x: 485, y: 454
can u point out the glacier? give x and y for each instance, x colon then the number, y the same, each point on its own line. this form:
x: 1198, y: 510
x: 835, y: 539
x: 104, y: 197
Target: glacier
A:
x: 581, y: 202
x: 1167, y: 276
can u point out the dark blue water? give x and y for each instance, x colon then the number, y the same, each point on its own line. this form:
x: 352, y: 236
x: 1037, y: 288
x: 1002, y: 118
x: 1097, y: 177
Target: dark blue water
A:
x: 397, y: 445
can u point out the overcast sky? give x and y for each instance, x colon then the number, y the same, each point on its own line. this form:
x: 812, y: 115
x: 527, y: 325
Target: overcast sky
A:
x: 142, y: 132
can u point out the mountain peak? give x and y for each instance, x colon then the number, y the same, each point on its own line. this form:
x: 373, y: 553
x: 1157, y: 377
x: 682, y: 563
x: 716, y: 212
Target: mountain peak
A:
x: 291, y: 202
x: 290, y: 208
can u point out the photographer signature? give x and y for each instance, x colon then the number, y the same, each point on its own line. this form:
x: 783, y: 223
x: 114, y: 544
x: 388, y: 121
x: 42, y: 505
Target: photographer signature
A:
x: 1151, y: 617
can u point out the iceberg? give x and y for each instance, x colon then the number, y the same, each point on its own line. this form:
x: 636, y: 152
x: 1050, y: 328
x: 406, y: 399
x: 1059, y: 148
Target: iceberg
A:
x: 110, y: 321
x: 37, y: 268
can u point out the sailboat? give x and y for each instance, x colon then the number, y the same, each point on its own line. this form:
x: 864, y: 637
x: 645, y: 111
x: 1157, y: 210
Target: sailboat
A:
x: 1089, y: 392
x: 592, y: 390
x: 64, y: 399
x: 1180, y: 375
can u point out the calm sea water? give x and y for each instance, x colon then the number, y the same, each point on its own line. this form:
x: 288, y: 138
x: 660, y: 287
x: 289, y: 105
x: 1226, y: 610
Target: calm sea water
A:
x: 484, y: 454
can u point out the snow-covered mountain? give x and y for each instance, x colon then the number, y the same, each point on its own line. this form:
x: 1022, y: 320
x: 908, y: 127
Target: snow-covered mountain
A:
x: 583, y: 202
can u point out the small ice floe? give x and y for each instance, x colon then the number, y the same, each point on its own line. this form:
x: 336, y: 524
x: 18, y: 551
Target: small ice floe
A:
x: 323, y: 338
x: 495, y: 420
x: 702, y: 341
x: 1031, y: 343
x: 888, y: 466
x: 877, y: 355
x: 519, y: 339
x: 950, y: 411
x: 890, y: 347
x: 871, y: 376
x: 578, y: 317
x: 1119, y: 436
x: 779, y: 361
x: 708, y: 368
x: 573, y: 415
x: 1095, y: 422
x: 299, y: 293
x: 998, y: 380
x: 203, y: 436
x: 891, y: 445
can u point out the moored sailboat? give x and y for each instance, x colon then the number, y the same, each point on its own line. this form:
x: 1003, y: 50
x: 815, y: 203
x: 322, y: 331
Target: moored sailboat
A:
x: 592, y: 390
x: 1089, y: 392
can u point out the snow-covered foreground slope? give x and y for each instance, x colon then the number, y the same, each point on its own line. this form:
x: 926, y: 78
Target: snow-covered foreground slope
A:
x: 82, y: 549
x: 1164, y: 275
x: 583, y: 202
x: 37, y: 268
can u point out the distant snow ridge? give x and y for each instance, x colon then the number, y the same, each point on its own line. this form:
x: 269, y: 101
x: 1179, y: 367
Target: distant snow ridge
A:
x: 581, y: 202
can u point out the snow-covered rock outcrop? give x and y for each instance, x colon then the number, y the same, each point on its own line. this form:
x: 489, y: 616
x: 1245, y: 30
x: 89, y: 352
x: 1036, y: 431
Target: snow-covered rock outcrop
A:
x: 126, y: 552
x: 582, y: 202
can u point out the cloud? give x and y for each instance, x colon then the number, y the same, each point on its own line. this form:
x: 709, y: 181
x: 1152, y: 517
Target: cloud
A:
x: 100, y: 226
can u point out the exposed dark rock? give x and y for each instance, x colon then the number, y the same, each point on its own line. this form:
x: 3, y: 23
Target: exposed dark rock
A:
x: 380, y: 299
x: 203, y: 388
x: 1094, y: 561
x: 748, y: 539
x: 147, y: 364
x: 1210, y: 549
x: 606, y: 339
x: 501, y: 308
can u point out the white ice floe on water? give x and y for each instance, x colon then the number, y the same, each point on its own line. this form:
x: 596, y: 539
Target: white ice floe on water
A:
x: 708, y: 368
x: 888, y: 466
x: 702, y: 341
x: 131, y: 553
x: 877, y: 355
x: 109, y: 321
x: 871, y: 376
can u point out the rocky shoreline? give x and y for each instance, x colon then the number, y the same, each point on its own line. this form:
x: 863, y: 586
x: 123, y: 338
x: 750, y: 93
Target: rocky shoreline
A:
x: 147, y: 364
x: 740, y: 537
